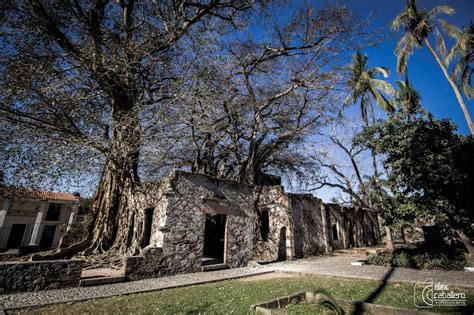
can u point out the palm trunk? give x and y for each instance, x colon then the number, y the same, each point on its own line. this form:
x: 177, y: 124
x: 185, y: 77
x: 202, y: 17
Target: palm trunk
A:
x: 467, y: 116
x: 388, y: 229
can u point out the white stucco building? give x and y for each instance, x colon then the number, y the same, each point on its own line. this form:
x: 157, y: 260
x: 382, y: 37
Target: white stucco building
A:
x: 32, y: 217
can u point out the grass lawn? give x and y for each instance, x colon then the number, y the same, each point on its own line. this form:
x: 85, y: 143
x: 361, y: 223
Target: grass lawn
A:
x: 235, y: 297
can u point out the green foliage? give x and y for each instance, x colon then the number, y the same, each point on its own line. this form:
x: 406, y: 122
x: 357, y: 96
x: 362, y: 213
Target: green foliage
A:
x: 419, y: 259
x: 429, y: 170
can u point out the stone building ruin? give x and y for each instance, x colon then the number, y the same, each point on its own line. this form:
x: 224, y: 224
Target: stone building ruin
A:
x: 193, y: 220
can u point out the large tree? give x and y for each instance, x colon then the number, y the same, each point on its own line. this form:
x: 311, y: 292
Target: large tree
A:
x: 418, y: 25
x: 429, y: 171
x: 125, y: 88
x: 90, y: 78
x: 273, y: 94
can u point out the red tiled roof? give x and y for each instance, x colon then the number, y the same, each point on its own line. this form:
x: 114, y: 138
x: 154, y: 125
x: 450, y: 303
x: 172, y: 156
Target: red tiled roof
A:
x: 18, y: 192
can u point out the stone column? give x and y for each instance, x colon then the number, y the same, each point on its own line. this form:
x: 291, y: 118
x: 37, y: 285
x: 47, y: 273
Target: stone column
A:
x: 38, y: 228
x: 324, y: 220
x: 343, y: 227
x: 3, y: 212
x: 290, y: 238
x: 72, y: 218
x: 3, y: 228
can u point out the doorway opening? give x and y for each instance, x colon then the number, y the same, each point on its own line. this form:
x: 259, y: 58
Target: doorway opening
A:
x: 16, y: 235
x: 47, y: 237
x: 147, y: 226
x: 214, y: 239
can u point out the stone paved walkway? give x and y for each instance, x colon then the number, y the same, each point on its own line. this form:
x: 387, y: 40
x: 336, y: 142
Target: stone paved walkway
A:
x: 41, y: 298
x: 340, y: 266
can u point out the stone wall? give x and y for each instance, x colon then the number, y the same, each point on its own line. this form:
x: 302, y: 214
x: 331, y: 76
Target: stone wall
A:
x: 39, y: 275
x: 180, y: 207
x: 280, y: 243
x: 299, y: 225
x: 309, y: 229
x: 147, y: 265
x: 356, y: 227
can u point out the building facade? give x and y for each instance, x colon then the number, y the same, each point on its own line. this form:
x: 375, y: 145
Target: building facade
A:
x: 32, y: 217
x: 192, y: 220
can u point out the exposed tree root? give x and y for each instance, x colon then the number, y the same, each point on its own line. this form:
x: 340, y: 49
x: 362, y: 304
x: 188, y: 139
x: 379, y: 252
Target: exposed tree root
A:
x: 62, y: 253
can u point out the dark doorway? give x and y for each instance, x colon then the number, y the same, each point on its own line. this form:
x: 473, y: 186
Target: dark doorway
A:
x: 335, y: 234
x: 47, y: 236
x: 147, y: 224
x: 351, y: 235
x: 16, y: 235
x: 214, y: 238
x: 263, y: 224
x: 282, y: 244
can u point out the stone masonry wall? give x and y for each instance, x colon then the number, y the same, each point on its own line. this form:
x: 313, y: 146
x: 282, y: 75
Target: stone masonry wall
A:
x: 147, y: 265
x: 356, y: 226
x: 39, y: 275
x: 178, y: 225
x: 279, y: 245
x: 309, y: 230
x: 186, y: 215
x: 299, y: 225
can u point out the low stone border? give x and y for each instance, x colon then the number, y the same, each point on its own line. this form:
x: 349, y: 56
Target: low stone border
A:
x: 21, y: 276
x: 278, y: 306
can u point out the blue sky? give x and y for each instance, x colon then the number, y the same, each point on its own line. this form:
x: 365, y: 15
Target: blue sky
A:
x: 424, y: 73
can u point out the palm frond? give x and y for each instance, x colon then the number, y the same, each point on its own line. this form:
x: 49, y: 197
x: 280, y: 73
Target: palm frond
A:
x: 382, y: 70
x: 383, y: 86
x: 459, y: 68
x: 449, y: 57
x: 402, y: 61
x: 451, y: 30
x: 399, y: 21
x: 440, y: 9
x: 381, y: 100
x: 440, y: 45
x: 348, y: 101
x: 465, y: 81
x: 401, y: 85
x: 404, y: 49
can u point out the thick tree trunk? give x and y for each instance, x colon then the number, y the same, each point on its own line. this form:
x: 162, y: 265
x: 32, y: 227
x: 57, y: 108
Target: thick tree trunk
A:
x: 117, y: 226
x: 465, y: 111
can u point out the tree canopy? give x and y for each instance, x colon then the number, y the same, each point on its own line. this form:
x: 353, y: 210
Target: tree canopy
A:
x: 429, y: 170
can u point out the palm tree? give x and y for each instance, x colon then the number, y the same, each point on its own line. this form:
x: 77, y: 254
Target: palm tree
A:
x: 407, y: 98
x: 366, y: 88
x: 463, y: 50
x: 418, y: 25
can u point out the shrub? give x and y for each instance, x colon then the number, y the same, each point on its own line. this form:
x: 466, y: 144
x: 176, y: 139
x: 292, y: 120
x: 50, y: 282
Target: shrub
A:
x: 420, y: 259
